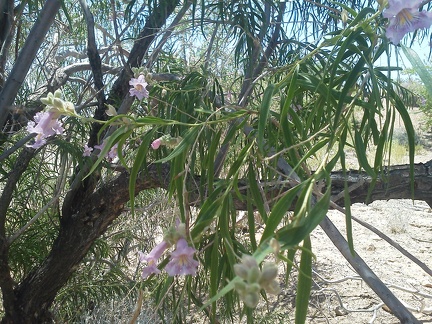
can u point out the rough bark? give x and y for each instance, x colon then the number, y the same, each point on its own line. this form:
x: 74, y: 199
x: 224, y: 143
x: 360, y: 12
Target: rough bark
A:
x: 394, y: 183
x: 6, y: 281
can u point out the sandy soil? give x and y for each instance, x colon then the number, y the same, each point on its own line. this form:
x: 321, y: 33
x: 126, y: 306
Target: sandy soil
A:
x: 406, y: 222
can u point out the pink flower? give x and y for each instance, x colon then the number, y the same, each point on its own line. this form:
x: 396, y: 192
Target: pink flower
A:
x: 156, y: 143
x: 100, y: 147
x: 152, y: 258
x: 45, y: 125
x: 182, y: 262
x: 404, y: 17
x: 139, y: 87
x: 112, y: 154
x: 87, y: 150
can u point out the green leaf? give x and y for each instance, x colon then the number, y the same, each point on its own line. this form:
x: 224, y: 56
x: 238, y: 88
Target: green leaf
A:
x: 254, y: 190
x: 137, y: 165
x: 419, y: 67
x: 214, y: 274
x: 290, y: 236
x: 361, y: 154
x: 208, y: 212
x: 278, y: 212
x: 304, y: 282
x: 263, y: 116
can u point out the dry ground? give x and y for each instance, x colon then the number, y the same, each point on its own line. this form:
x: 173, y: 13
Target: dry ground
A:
x: 406, y: 222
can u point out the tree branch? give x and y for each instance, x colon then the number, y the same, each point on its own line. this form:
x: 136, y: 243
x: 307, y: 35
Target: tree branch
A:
x: 26, y: 57
x: 367, y: 274
x: 96, y: 65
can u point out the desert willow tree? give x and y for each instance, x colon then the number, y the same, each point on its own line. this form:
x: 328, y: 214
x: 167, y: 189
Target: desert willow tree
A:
x: 210, y: 107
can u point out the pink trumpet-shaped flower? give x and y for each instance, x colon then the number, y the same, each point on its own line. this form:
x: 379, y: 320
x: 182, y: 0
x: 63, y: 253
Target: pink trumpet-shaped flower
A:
x: 182, y: 261
x: 152, y: 259
x: 138, y: 87
x: 156, y: 144
x: 45, y: 125
x: 404, y: 17
x: 112, y: 153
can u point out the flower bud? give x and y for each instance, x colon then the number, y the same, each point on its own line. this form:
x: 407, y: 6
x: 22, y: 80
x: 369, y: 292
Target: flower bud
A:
x: 69, y: 107
x: 272, y: 287
x: 46, y: 101
x: 344, y: 17
x: 240, y: 286
x: 249, y: 261
x: 269, y: 273
x: 253, y: 288
x: 275, y: 246
x: 251, y: 299
x: 59, y: 104
x: 110, y: 111
x: 241, y: 270
x: 58, y: 93
x: 254, y: 275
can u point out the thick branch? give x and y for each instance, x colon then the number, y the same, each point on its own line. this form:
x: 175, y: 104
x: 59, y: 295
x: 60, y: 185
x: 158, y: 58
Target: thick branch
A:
x: 96, y: 65
x: 395, y: 183
x: 100, y: 208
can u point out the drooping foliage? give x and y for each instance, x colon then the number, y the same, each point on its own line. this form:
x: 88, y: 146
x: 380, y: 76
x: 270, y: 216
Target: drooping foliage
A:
x: 250, y: 107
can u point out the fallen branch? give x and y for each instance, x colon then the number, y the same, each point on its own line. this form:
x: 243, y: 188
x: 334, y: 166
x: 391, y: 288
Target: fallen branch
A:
x: 399, y: 310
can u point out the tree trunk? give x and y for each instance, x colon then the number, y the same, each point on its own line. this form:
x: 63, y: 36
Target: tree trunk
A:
x: 35, y: 294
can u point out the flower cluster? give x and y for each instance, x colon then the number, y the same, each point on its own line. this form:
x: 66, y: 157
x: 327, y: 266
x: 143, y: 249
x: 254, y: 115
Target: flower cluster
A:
x: 404, y: 17
x: 181, y: 262
x: 255, y: 279
x: 46, y: 122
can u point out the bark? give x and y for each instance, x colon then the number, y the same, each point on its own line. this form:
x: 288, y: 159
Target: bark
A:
x: 394, y: 183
